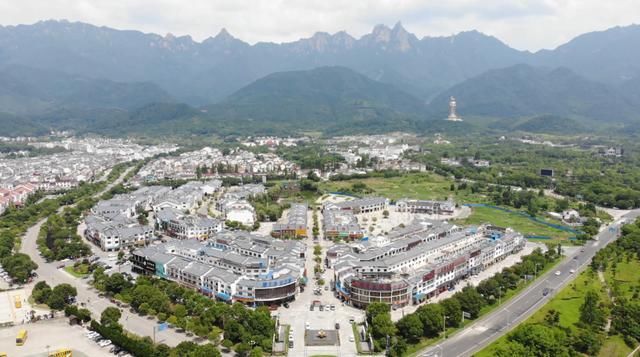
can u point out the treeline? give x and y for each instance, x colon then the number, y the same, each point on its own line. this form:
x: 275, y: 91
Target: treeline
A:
x: 15, y: 222
x: 187, y: 309
x: 12, y: 150
x: 311, y: 156
x: 112, y: 330
x: 58, y: 237
x: 57, y: 298
x: 588, y: 334
x: 376, y: 173
x: 428, y: 320
x: 578, y: 173
x: 625, y: 312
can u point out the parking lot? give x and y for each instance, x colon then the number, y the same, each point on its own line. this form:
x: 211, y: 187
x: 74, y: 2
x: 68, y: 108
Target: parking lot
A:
x: 48, y: 336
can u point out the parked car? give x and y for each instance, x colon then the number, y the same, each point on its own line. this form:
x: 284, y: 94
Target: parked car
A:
x: 337, y: 326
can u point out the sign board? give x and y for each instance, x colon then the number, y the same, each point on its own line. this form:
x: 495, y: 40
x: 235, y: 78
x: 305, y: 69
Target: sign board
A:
x: 546, y: 172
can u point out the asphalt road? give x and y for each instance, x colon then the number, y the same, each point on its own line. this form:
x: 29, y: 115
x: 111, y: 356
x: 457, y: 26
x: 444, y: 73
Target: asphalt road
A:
x: 86, y: 294
x: 487, y: 329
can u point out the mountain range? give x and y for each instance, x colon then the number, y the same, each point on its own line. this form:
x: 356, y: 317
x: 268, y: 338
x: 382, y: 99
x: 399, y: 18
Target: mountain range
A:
x: 84, y: 77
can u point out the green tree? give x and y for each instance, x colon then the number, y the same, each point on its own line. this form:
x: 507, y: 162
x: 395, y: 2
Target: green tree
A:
x: 41, y: 292
x: 470, y: 301
x: 541, y: 340
x: 591, y: 313
x: 116, y: 283
x: 110, y: 317
x: 375, y: 309
x: 453, y: 310
x: 207, y: 350
x: 61, y: 295
x: 552, y: 318
x: 410, y: 327
x: 19, y: 266
x: 432, y: 316
x: 587, y: 342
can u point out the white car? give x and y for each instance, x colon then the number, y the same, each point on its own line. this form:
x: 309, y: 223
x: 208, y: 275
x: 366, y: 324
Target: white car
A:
x: 307, y: 325
x: 572, y: 271
x: 351, y: 338
x: 558, y: 273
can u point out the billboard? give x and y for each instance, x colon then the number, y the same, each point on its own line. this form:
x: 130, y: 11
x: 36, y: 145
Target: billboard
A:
x: 546, y: 172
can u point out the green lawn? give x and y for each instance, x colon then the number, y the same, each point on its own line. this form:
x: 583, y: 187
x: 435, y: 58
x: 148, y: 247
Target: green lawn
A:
x: 69, y: 269
x: 356, y: 337
x: 614, y: 346
x: 567, y: 302
x: 519, y: 223
x: 626, y: 277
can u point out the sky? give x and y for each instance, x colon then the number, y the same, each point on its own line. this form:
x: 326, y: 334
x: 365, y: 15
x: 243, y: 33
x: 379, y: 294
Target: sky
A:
x: 522, y: 24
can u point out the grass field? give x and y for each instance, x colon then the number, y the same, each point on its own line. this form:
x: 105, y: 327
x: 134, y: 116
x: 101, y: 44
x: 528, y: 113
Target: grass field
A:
x: 625, y: 278
x: 432, y: 186
x: 567, y: 302
x: 519, y: 223
x: 420, y: 186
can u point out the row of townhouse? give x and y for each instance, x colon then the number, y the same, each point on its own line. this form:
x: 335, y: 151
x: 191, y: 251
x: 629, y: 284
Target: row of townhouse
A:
x: 178, y: 225
x: 341, y: 224
x: 233, y: 266
x: 234, y: 205
x: 416, y: 267
x: 112, y: 224
x: 296, y: 225
x: 425, y: 206
x: 112, y: 233
x: 15, y: 196
x: 360, y: 205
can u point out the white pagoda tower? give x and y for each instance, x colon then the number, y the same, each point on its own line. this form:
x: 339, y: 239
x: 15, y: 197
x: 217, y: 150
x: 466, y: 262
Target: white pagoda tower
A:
x: 452, y: 110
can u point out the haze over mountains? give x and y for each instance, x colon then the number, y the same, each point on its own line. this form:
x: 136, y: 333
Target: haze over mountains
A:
x: 79, y: 76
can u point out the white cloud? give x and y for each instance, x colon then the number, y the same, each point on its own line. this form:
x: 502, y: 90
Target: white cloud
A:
x: 524, y: 24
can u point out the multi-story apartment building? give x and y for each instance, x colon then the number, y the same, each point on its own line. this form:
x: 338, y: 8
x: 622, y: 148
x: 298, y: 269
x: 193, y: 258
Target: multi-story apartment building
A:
x: 419, y: 264
x: 296, y: 225
x: 232, y: 266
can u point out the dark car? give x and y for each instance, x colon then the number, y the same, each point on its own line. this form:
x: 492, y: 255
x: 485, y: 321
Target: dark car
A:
x: 545, y: 292
x: 337, y: 326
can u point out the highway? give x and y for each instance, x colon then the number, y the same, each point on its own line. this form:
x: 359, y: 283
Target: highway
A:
x: 86, y: 294
x: 490, y: 327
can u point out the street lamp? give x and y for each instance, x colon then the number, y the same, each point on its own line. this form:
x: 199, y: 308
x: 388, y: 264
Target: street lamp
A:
x: 444, y: 325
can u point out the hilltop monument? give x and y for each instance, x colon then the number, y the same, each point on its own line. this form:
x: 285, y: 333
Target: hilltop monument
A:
x: 452, y: 110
